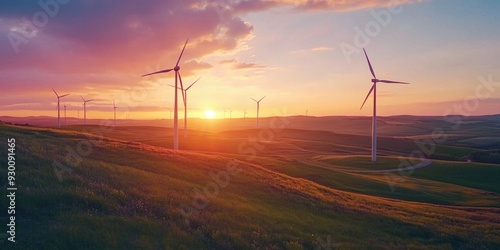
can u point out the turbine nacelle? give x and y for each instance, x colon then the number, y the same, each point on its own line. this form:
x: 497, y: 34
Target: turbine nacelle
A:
x: 177, y: 68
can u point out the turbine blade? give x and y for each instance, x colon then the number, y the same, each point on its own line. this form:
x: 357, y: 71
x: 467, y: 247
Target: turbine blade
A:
x: 388, y: 81
x: 369, y: 64
x: 182, y: 89
x: 254, y: 100
x: 192, y: 84
x: 82, y: 98
x: 55, y: 93
x: 262, y: 98
x: 371, y: 90
x: 90, y: 100
x: 158, y: 72
x: 182, y: 52
x: 64, y: 95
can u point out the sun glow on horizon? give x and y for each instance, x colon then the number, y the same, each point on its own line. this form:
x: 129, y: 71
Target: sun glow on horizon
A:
x: 210, y: 114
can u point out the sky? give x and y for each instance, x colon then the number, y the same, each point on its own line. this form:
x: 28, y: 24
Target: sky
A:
x: 304, y: 56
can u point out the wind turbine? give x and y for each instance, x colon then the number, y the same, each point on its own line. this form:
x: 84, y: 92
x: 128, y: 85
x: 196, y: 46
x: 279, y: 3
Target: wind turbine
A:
x: 184, y: 96
x: 245, y: 114
x: 258, y: 106
x: 230, y: 114
x: 114, y: 109
x: 85, y: 110
x: 65, y: 114
x: 375, y: 80
x: 58, y: 108
x: 177, y: 75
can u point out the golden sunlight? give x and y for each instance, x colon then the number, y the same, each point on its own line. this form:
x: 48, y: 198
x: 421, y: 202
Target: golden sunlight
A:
x: 210, y: 114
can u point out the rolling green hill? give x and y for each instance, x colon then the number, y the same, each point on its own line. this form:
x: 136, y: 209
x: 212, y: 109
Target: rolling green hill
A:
x: 336, y: 161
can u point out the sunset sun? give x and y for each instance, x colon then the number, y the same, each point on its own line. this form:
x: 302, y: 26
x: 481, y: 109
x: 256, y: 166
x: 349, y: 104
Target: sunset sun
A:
x: 210, y: 114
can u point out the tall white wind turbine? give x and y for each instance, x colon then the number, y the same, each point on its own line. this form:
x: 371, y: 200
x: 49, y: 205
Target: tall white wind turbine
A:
x: 375, y: 80
x: 177, y: 75
x: 85, y: 110
x: 58, y: 108
x: 258, y: 107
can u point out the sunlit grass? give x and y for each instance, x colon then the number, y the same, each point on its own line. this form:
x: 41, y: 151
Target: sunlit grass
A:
x: 128, y: 196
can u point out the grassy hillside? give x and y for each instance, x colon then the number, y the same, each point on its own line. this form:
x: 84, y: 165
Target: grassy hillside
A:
x: 129, y: 195
x: 430, y: 184
x: 336, y: 160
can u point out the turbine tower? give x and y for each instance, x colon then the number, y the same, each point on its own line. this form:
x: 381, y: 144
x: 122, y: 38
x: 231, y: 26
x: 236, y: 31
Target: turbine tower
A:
x: 85, y: 110
x: 375, y: 80
x: 114, y: 110
x: 177, y: 76
x: 184, y: 96
x: 245, y: 114
x: 58, y: 108
x: 258, y: 106
x: 65, y: 114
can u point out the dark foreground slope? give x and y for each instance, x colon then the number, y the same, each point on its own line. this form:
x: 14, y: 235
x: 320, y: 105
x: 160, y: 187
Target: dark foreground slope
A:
x: 105, y: 194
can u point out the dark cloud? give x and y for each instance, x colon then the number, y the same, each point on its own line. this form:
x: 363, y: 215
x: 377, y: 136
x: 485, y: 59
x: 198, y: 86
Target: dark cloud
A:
x: 103, y: 36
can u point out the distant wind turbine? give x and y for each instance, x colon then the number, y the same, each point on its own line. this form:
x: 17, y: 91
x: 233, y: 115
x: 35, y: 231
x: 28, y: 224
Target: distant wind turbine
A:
x: 258, y: 106
x: 170, y: 111
x: 230, y: 114
x: 58, y: 108
x: 85, y: 110
x: 184, y: 96
x: 245, y: 114
x: 114, y: 110
x: 65, y: 114
x: 177, y: 75
x: 374, y: 118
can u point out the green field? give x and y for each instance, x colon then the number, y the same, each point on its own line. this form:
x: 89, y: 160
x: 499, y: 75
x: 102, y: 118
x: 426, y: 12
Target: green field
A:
x: 127, y: 191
